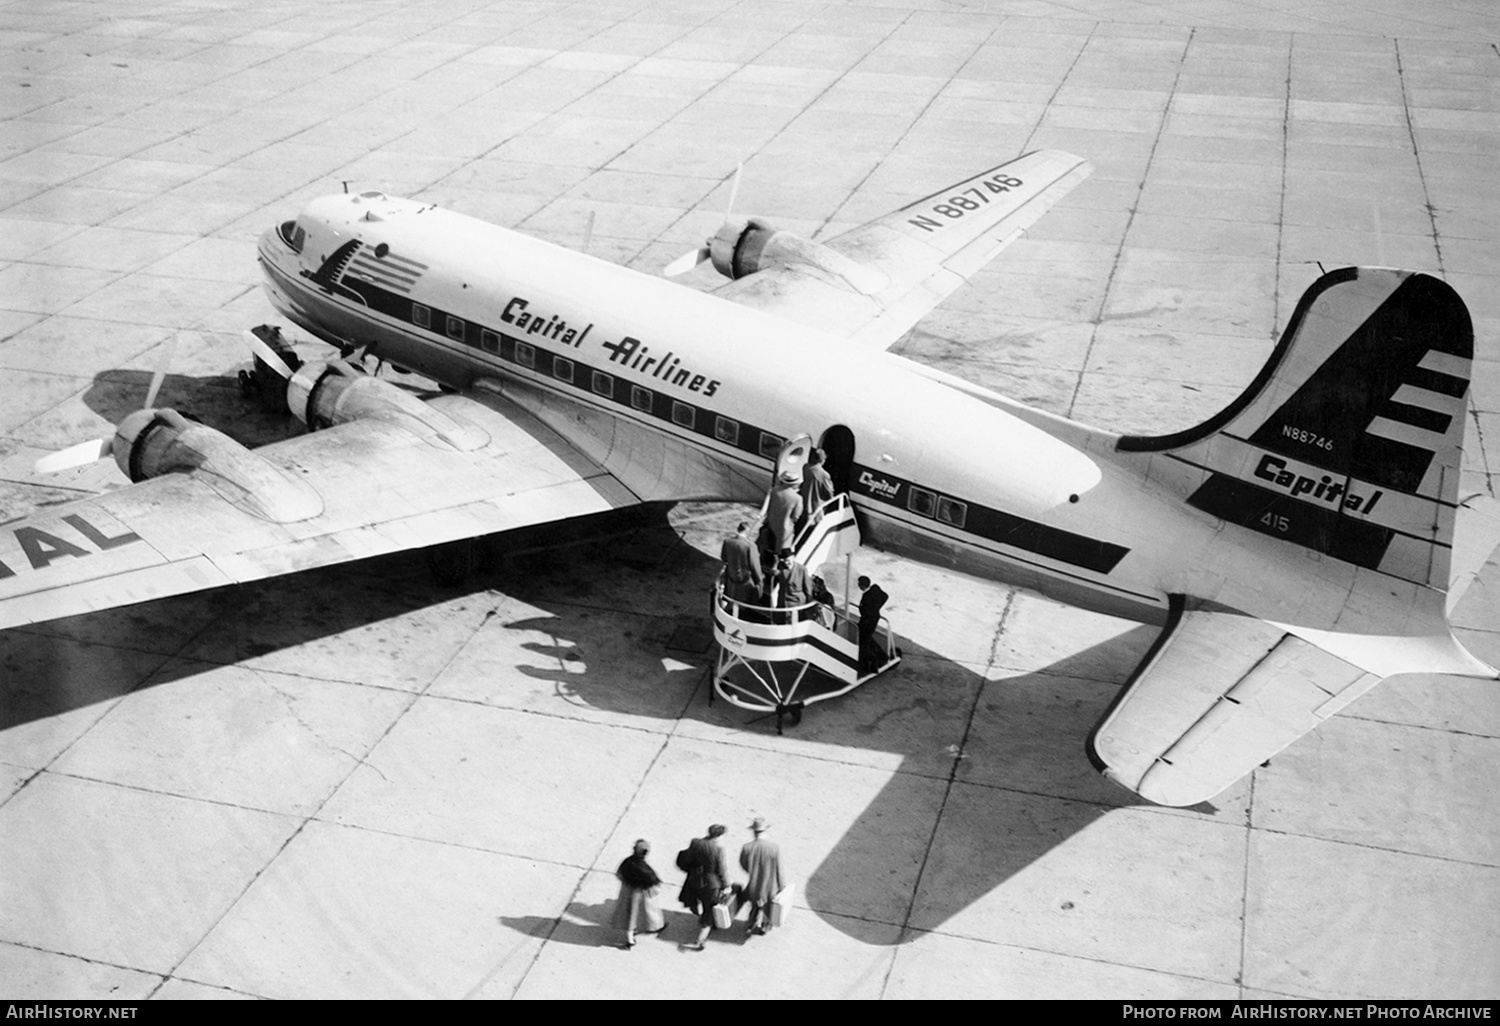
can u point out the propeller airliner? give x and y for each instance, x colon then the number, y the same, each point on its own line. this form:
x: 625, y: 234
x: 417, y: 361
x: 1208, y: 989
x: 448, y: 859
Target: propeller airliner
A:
x: 1296, y: 548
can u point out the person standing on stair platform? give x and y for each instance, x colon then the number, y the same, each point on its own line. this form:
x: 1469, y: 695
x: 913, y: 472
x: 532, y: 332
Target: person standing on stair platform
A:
x: 782, y: 512
x: 817, y: 488
x: 742, y: 578
x: 794, y: 586
x: 871, y: 600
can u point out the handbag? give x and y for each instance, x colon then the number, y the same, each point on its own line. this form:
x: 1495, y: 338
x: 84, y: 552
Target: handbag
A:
x: 685, y: 859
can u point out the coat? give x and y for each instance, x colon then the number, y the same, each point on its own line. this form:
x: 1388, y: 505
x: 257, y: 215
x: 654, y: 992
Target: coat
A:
x: 817, y: 488
x: 742, y: 578
x: 796, y: 587
x: 762, y: 860
x: 782, y: 513
x: 636, y: 909
x: 707, y: 874
x: 870, y: 604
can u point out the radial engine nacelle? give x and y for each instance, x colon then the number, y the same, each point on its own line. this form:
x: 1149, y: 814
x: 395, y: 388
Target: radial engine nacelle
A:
x: 322, y: 395
x: 153, y: 442
x: 744, y: 246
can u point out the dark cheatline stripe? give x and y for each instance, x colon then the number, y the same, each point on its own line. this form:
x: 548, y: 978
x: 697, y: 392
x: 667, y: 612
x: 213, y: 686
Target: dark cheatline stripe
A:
x: 850, y: 661
x: 568, y: 371
x: 993, y: 524
x: 1323, y: 530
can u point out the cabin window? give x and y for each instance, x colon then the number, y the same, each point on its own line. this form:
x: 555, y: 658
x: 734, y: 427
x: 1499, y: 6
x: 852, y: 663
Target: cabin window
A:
x: 951, y: 511
x: 421, y: 316
x: 604, y: 384
x: 456, y: 327
x: 770, y: 444
x: 921, y: 501
x: 489, y: 341
x: 562, y: 368
x: 683, y: 414
x: 726, y: 430
x: 526, y: 354
x: 641, y: 398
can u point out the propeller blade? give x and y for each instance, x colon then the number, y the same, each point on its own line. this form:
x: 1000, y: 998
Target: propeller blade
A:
x: 266, y: 353
x: 734, y: 189
x: 74, y: 456
x: 685, y: 263
x: 588, y: 232
x: 161, y: 372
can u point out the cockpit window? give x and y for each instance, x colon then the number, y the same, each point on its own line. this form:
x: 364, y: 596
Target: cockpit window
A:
x: 293, y: 235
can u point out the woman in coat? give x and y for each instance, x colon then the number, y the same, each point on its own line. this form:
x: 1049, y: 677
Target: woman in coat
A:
x: 636, y: 909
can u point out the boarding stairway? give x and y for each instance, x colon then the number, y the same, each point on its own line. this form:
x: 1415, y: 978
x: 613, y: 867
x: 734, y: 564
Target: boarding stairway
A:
x: 775, y: 659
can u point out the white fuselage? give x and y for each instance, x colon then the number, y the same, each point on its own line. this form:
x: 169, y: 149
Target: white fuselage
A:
x: 684, y: 395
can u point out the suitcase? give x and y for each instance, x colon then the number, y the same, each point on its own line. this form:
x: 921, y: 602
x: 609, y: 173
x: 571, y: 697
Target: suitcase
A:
x: 781, y: 905
x: 722, y: 918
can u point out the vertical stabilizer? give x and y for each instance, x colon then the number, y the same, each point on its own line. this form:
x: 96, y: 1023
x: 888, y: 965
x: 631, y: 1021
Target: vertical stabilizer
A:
x: 1350, y: 439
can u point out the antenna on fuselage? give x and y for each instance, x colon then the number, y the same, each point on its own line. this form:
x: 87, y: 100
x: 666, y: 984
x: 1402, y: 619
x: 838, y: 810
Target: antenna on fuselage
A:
x: 346, y: 188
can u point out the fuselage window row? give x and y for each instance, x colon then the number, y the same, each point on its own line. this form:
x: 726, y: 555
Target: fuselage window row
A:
x: 726, y: 430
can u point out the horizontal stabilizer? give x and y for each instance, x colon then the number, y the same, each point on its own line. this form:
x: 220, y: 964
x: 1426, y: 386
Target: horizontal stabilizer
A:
x: 1474, y: 540
x: 1216, y: 696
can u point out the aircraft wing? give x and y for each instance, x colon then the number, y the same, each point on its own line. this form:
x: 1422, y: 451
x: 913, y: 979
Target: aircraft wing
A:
x: 907, y: 262
x: 1218, y: 694
x: 382, y: 488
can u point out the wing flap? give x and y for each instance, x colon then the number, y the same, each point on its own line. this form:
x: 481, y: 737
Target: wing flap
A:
x: 1219, y: 694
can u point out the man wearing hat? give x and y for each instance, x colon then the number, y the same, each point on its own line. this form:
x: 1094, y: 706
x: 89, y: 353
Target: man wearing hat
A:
x: 762, y: 860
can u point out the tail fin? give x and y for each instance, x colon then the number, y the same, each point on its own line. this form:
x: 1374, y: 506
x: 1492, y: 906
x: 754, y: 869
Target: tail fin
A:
x: 1350, y: 439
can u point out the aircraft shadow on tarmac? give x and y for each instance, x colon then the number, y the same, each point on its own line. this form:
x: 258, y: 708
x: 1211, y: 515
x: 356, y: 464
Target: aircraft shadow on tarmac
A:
x: 1035, y: 788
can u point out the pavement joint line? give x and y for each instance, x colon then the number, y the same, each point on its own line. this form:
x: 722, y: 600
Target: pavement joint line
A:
x: 1286, y: 133
x: 1249, y: 829
x: 1061, y: 82
x: 1416, y: 152
x: 1140, y: 190
x: 213, y: 170
x: 605, y: 838
x: 164, y: 793
x: 1429, y: 726
x: 82, y: 958
x: 1484, y: 458
x: 233, y: 904
x: 991, y: 942
x: 912, y: 123
x: 312, y: 815
x: 952, y: 775
x: 110, y: 705
x: 704, y: 198
x: 1377, y: 847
